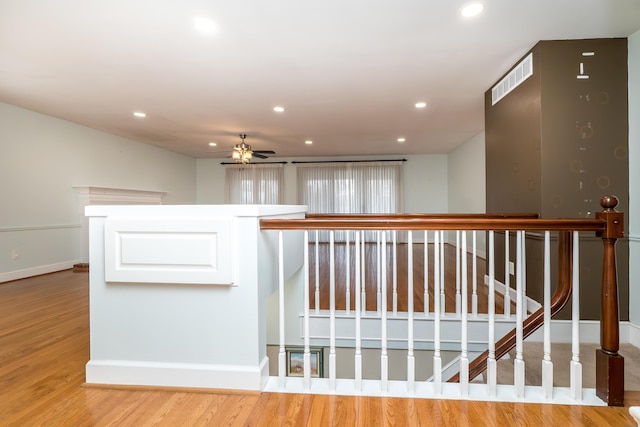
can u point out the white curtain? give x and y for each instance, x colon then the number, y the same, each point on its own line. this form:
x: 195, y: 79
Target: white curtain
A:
x: 260, y: 184
x: 359, y: 187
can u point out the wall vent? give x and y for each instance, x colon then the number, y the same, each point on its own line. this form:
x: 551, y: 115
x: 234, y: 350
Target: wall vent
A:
x: 520, y: 73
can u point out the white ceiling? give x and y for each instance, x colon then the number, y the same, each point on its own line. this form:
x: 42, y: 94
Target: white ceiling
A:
x: 347, y: 72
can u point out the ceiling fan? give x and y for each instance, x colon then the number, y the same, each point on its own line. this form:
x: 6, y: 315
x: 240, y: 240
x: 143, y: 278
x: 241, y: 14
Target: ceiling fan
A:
x: 242, y: 153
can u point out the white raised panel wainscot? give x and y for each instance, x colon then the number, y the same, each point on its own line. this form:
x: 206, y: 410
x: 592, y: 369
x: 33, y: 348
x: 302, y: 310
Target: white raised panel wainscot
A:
x: 178, y: 293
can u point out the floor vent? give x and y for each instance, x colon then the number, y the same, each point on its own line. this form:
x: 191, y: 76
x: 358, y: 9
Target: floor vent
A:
x: 520, y: 73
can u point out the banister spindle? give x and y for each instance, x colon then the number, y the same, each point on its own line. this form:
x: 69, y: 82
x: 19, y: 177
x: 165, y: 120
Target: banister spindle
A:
x: 507, y: 277
x: 411, y: 364
x: 547, y: 364
x: 575, y: 366
x: 347, y: 296
x: 610, y: 364
x: 307, y: 355
x: 395, y: 272
x: 317, y: 271
x: 358, y: 308
x: 426, y: 273
x: 474, y: 279
x: 459, y: 273
x: 437, y: 302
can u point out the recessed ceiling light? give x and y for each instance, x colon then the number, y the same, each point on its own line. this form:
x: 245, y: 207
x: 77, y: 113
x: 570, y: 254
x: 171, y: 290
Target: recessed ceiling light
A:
x: 204, y: 25
x: 308, y: 142
x: 213, y: 144
x: 401, y: 140
x: 471, y: 9
x: 139, y: 114
x: 421, y: 104
x: 278, y: 109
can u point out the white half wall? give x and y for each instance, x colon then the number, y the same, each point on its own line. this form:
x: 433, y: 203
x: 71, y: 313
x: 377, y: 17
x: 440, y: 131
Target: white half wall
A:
x: 42, y: 159
x: 633, y: 216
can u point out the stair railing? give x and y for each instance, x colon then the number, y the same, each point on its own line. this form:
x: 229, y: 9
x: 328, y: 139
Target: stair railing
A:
x: 608, y: 225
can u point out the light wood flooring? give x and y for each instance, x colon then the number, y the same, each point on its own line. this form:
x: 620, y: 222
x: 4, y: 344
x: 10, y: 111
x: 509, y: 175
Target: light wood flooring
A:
x: 44, y: 345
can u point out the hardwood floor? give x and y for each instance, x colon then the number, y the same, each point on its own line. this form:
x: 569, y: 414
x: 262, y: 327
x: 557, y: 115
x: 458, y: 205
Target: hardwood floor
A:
x: 44, y: 345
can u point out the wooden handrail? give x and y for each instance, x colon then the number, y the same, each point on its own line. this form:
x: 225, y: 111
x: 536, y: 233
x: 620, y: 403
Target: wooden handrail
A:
x: 451, y: 222
x: 419, y: 215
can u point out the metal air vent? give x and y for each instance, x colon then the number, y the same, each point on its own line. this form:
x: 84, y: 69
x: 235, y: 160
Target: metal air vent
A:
x: 520, y: 73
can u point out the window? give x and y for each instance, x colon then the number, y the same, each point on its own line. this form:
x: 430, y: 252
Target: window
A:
x: 254, y: 184
x: 362, y: 187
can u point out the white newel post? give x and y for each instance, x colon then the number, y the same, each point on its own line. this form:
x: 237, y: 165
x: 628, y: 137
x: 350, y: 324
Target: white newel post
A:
x: 178, y: 294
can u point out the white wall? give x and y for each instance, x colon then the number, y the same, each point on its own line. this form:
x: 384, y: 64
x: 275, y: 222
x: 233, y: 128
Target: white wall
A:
x: 634, y: 178
x: 425, y: 180
x: 466, y: 177
x: 43, y: 158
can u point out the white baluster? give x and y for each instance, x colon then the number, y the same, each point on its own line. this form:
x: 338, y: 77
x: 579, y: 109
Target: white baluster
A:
x: 474, y: 280
x: 491, y: 361
x: 348, y: 272
x: 507, y: 277
x: 307, y: 354
x: 358, y: 356
x: 547, y: 364
x: 317, y: 296
x: 426, y: 273
x: 525, y: 303
x: 464, y: 356
x: 634, y: 411
x: 459, y: 272
x: 411, y: 364
x: 518, y: 363
x: 379, y: 274
x: 443, y: 307
x: 437, y: 359
x: 576, y: 366
x: 363, y: 297
x: 332, y: 313
x: 395, y: 273
x: 384, y: 357
x: 282, y: 356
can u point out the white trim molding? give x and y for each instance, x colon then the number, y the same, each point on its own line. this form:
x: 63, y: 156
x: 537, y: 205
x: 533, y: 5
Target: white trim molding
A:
x: 36, y: 271
x: 189, y: 375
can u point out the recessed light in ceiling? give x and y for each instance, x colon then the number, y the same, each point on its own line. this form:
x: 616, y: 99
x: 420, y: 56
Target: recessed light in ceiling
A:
x: 278, y: 109
x: 204, y: 25
x: 472, y: 9
x: 213, y: 144
x: 421, y: 104
x: 308, y: 142
x: 139, y: 114
x: 401, y: 140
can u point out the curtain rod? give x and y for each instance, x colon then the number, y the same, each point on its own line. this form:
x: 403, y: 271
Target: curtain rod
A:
x: 250, y: 164
x: 353, y: 161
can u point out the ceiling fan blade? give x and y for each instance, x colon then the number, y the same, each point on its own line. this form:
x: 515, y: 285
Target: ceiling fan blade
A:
x: 260, y: 156
x: 264, y: 151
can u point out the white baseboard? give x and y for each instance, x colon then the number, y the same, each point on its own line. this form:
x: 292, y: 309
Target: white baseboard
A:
x: 630, y: 333
x: 188, y: 375
x: 36, y: 271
